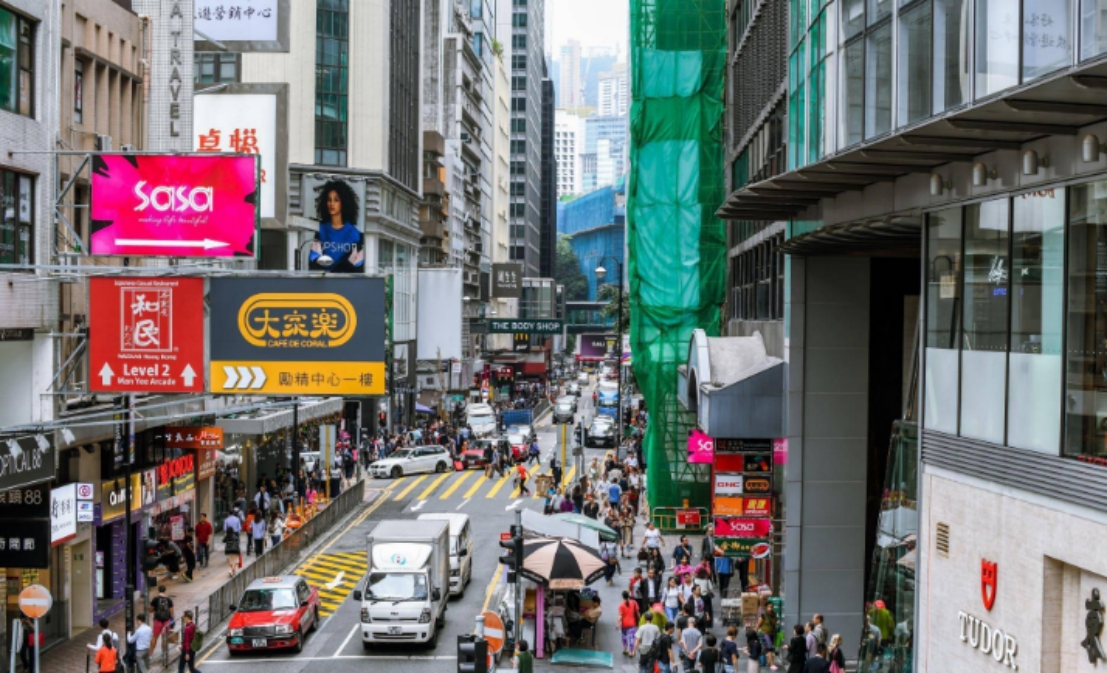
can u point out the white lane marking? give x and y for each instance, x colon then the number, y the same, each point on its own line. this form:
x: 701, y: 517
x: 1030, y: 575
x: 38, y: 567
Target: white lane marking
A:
x: 462, y: 504
x: 514, y: 504
x: 337, y: 579
x: 347, y: 640
x: 444, y: 657
x: 418, y: 506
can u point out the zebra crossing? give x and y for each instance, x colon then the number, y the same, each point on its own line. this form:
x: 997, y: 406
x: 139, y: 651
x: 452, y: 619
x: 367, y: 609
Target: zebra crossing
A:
x: 335, y: 575
x: 468, y: 484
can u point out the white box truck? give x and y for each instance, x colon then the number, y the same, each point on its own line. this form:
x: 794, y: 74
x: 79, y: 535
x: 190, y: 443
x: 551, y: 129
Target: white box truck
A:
x: 405, y: 591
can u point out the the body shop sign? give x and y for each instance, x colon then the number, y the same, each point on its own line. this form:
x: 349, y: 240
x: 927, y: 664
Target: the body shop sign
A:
x: 175, y: 205
x: 726, y: 527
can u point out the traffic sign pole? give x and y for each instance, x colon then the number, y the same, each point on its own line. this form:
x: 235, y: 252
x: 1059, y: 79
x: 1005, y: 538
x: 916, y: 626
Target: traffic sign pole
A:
x: 129, y: 617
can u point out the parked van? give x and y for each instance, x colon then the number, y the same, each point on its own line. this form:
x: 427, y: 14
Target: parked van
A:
x: 461, y: 548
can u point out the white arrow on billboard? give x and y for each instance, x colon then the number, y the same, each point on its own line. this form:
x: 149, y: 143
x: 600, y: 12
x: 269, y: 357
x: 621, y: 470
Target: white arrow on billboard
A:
x: 232, y: 377
x: 189, y: 375
x: 259, y: 377
x: 206, y: 244
x: 106, y: 374
x: 244, y: 378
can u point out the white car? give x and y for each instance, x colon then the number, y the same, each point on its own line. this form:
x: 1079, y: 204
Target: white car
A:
x: 582, y: 377
x: 411, y: 461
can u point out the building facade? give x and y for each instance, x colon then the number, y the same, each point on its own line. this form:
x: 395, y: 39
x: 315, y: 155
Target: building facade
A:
x: 570, y: 88
x: 568, y: 143
x: 548, y: 241
x: 614, y: 92
x: 605, y: 145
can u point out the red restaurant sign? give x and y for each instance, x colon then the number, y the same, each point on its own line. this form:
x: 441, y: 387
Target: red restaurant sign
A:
x: 177, y: 467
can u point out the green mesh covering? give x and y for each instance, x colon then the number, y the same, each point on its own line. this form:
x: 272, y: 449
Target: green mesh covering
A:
x: 676, y: 246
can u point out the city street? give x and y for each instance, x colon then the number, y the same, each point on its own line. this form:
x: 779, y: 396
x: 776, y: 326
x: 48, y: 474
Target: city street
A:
x: 337, y: 643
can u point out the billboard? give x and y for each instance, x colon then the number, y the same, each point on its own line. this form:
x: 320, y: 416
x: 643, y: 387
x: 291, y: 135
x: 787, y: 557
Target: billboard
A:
x: 593, y: 347
x: 507, y: 281
x: 306, y: 336
x: 240, y: 120
x: 246, y: 25
x: 174, y: 205
x: 701, y: 450
x: 726, y: 526
x: 739, y: 506
x: 439, y: 312
x: 144, y: 335
x: 336, y: 207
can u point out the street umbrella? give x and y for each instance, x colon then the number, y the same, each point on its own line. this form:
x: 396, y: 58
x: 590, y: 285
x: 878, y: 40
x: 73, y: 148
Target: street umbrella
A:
x: 607, y: 534
x: 561, y: 564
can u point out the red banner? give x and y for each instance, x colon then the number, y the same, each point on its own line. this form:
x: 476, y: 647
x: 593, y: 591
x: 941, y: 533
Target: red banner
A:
x: 194, y: 437
x: 754, y: 528
x: 688, y: 518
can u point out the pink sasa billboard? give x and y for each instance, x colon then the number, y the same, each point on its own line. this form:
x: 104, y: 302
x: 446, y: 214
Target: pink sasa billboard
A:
x: 174, y: 205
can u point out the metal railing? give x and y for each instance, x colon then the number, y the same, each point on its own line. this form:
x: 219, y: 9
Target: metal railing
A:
x: 665, y: 518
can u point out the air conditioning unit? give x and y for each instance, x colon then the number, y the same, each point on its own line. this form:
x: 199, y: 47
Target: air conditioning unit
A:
x: 103, y: 143
x: 466, y: 138
x: 128, y: 148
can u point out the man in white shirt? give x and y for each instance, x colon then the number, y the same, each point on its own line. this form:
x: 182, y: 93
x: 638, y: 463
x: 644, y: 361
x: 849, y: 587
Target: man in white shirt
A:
x: 140, y: 641
x: 99, y: 638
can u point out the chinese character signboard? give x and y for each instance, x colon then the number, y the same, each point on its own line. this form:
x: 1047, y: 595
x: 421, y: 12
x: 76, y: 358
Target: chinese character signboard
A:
x: 739, y: 506
x: 26, y: 545
x: 245, y: 123
x: 26, y: 460
x: 243, y: 25
x: 25, y: 502
x: 145, y: 335
x: 175, y: 205
x: 688, y: 518
x: 192, y: 437
x: 745, y: 548
x: 63, y: 514
x: 512, y: 326
x: 307, y: 336
x: 507, y: 281
x: 731, y: 445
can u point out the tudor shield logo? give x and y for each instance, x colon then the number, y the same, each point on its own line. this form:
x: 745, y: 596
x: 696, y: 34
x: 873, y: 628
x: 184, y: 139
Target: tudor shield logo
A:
x: 989, y: 580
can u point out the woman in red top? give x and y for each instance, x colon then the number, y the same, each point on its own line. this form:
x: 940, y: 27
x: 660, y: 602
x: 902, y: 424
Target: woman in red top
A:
x: 628, y: 622
x: 107, y: 657
x: 521, y: 469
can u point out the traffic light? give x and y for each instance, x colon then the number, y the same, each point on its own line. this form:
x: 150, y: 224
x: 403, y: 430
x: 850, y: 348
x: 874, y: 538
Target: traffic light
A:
x: 472, y: 654
x: 514, y: 559
x: 151, y: 555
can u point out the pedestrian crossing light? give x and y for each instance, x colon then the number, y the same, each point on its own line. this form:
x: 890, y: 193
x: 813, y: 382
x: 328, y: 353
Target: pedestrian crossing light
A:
x: 514, y: 559
x: 151, y: 556
x: 472, y: 654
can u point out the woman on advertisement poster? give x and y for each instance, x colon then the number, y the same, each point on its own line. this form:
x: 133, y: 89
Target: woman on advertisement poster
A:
x: 338, y: 246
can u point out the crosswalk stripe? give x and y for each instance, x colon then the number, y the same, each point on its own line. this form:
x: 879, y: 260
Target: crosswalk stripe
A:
x: 351, y: 554
x: 410, y: 487
x: 569, y: 475
x: 428, y: 490
x: 481, y: 481
x: 322, y: 568
x: 530, y: 483
x: 453, y: 486
x: 499, y: 485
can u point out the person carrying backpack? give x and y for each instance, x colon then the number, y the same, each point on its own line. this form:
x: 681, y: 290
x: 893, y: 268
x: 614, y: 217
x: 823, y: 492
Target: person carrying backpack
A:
x: 647, y: 642
x: 192, y: 639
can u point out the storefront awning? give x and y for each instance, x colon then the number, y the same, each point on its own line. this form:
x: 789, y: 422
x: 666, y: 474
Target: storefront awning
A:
x: 884, y: 236
x: 264, y: 422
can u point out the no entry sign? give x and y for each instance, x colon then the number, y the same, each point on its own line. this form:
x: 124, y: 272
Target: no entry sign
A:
x: 146, y: 335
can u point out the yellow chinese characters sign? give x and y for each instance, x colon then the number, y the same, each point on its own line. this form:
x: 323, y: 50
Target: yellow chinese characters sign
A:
x: 308, y: 336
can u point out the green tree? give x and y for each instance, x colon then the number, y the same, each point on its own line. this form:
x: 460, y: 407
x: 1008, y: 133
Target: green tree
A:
x: 567, y: 271
x: 610, y: 294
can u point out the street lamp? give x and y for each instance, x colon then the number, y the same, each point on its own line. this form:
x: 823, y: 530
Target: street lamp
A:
x: 601, y: 274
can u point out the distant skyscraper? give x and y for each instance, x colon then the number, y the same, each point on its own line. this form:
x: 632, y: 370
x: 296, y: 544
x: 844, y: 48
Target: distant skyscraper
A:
x: 614, y: 92
x: 568, y: 147
x: 604, y: 154
x: 570, y: 92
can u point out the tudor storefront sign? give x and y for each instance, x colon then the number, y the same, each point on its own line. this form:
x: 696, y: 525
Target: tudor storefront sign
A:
x: 728, y: 483
x: 757, y: 485
x: 981, y: 636
x: 738, y: 506
x: 727, y: 527
x: 745, y: 548
x: 310, y: 336
x: 143, y: 335
x: 26, y: 460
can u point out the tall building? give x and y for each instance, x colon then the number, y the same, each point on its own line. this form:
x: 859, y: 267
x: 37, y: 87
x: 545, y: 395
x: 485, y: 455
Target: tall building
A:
x: 501, y: 307
x: 614, y: 92
x: 570, y: 92
x: 527, y: 31
x: 605, y: 147
x: 548, y: 241
x: 568, y: 146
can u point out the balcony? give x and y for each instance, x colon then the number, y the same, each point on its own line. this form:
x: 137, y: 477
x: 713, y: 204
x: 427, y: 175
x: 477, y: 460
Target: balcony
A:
x: 433, y: 186
x: 434, y: 143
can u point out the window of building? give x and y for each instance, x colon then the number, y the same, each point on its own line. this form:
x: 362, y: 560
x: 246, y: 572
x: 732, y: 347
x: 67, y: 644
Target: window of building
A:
x: 1047, y: 37
x: 913, y: 82
x: 878, y: 81
x: 1037, y: 311
x: 878, y: 11
x: 853, y: 17
x: 519, y: 61
x: 519, y: 125
x: 519, y: 104
x: 984, y: 337
x: 1093, y: 28
x: 997, y: 46
x: 518, y: 41
x: 518, y: 83
x: 215, y: 68
x: 518, y: 209
x: 331, y: 80
x: 518, y: 189
x: 78, y: 91
x: 519, y: 20
x: 17, y: 61
x: 943, y: 319
x: 518, y: 168
x: 951, y: 59
x: 757, y: 282
x: 853, y: 84
x: 518, y: 147
x: 16, y: 219
x: 518, y: 252
x: 478, y: 44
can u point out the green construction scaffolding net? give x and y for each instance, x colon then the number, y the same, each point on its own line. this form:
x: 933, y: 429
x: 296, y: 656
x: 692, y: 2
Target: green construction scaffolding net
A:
x: 676, y: 246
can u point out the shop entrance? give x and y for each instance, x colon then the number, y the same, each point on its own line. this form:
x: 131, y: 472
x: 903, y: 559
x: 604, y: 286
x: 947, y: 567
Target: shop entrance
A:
x: 81, y: 586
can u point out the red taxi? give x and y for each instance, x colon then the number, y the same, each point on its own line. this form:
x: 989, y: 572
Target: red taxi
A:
x: 274, y: 613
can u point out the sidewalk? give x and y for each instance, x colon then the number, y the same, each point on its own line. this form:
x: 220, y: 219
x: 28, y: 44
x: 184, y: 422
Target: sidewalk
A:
x: 70, y: 656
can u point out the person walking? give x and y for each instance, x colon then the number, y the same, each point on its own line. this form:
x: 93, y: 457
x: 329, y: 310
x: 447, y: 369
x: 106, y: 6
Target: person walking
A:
x: 767, y: 627
x: 232, y: 541
x: 139, y: 641
x: 555, y: 470
x: 649, y: 590
x: 645, y: 639
x: 257, y: 532
x: 691, y: 640
x: 521, y: 472
x: 162, y: 607
x: 275, y: 529
x: 797, y: 650
x: 628, y: 622
x: 710, y: 657
x: 753, y: 651
x: 28, y: 648
x: 188, y: 655
x: 204, y: 531
x: 821, y: 636
x: 836, y: 657
x: 107, y: 657
x: 652, y: 538
x: 666, y: 657
x: 728, y: 651
x: 188, y: 551
x: 535, y: 455
x: 671, y: 599
x: 817, y: 663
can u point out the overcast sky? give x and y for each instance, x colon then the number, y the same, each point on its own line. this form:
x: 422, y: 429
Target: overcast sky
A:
x: 593, y: 22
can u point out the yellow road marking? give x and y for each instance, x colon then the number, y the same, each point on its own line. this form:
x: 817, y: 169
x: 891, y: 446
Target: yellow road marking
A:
x: 410, y: 488
x: 427, y: 491
x: 453, y: 486
x: 530, y: 483
x: 396, y: 483
x: 499, y: 484
x: 491, y: 586
x: 569, y: 475
x: 476, y: 487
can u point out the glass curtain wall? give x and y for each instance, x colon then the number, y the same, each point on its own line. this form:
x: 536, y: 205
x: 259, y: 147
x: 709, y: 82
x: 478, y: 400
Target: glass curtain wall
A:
x: 943, y: 319
x: 951, y: 56
x: 913, y: 81
x: 997, y: 46
x: 1047, y: 40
